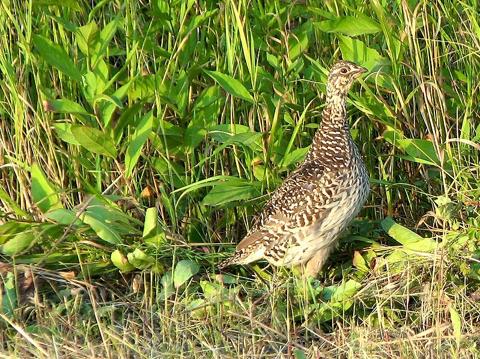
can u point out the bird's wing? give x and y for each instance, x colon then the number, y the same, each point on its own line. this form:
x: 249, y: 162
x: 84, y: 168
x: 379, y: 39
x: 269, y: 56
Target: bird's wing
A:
x: 306, y: 196
x: 310, y: 184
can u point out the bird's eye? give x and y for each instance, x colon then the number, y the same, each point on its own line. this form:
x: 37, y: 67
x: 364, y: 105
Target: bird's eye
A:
x: 343, y: 70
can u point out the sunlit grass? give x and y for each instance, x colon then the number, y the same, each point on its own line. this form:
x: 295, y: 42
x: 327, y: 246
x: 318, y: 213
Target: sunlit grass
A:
x: 139, y: 136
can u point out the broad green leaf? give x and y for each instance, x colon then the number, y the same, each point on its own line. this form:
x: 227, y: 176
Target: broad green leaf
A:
x: 224, y: 132
x: 150, y: 224
x: 70, y: 4
x: 103, y: 230
x: 359, y: 262
x: 170, y: 171
x: 64, y: 132
x: 338, y: 300
x: 63, y: 216
x: 194, y: 136
x: 107, y: 108
x: 11, y: 203
x: 127, y: 117
x: 356, y: 51
x: 66, y: 106
x: 456, y: 323
x: 299, y: 354
x: 298, y: 42
x: 94, y: 140
x: 56, y: 56
x: 19, y: 243
x: 409, y: 239
x: 145, y: 87
x: 295, y: 156
x: 345, y: 291
x: 349, y: 25
x: 230, y: 191
x: 211, y: 291
x: 447, y: 209
x: 230, y: 85
x: 420, y: 151
x: 10, y: 229
x: 91, y: 87
x: 134, y: 149
x: 121, y: 262
x: 140, y: 260
x: 250, y: 139
x: 43, y: 193
x: 103, y: 40
x: 9, y: 295
x: 167, y: 286
x: 184, y: 270
x: 180, y: 92
x: 85, y: 36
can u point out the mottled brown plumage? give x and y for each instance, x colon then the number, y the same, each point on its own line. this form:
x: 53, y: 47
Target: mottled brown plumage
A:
x: 306, y: 214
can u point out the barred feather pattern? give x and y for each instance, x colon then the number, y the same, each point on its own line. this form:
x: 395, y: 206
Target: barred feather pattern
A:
x: 317, y: 201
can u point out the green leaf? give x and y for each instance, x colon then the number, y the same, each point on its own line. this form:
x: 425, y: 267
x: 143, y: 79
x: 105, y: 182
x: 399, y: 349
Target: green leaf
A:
x: 456, y: 323
x: 11, y: 229
x: 19, y: 243
x: 349, y: 25
x: 167, y: 284
x: 222, y: 133
x: 70, y: 4
x: 230, y: 191
x: 194, y: 136
x: 103, y: 230
x: 170, y: 171
x: 56, y: 56
x: 107, y: 108
x: 94, y: 140
x: 63, y: 216
x: 184, y: 270
x: 420, y: 151
x: 338, y: 300
x: 410, y: 240
x: 66, y: 106
x: 356, y: 51
x: 345, y: 291
x: 230, y: 85
x: 295, y: 156
x: 64, y: 132
x: 299, y: 354
x: 140, y: 260
x: 85, y: 36
x: 359, y: 262
x: 298, y: 42
x: 150, y: 224
x: 9, y: 295
x: 135, y: 146
x: 104, y: 38
x: 121, y: 262
x: 4, y: 196
x: 43, y: 193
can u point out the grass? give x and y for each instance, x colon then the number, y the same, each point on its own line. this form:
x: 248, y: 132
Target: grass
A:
x: 137, y: 140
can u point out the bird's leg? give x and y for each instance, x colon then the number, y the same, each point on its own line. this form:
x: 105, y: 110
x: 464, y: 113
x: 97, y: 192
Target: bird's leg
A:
x: 315, y: 264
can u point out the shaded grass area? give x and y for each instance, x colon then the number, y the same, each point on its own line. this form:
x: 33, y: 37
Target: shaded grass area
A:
x: 138, y: 139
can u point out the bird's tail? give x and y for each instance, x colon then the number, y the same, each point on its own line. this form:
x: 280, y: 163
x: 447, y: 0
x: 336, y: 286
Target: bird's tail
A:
x: 226, y: 263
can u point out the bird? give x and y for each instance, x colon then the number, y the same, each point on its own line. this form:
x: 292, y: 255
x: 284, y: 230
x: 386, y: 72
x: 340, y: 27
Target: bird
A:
x: 300, y: 224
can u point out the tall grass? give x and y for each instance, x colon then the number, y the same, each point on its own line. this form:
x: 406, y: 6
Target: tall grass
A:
x: 138, y: 139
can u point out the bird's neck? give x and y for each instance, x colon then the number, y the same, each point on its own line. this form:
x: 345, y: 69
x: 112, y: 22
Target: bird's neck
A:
x: 332, y: 141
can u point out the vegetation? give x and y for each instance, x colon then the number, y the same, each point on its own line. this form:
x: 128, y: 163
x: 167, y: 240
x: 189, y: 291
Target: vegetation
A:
x: 138, y: 139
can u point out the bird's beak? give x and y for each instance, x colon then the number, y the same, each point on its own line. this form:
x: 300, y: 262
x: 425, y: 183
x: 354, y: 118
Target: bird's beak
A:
x: 360, y: 70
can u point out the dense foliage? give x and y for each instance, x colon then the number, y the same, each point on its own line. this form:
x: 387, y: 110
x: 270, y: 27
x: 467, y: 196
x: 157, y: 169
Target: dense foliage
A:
x: 138, y: 139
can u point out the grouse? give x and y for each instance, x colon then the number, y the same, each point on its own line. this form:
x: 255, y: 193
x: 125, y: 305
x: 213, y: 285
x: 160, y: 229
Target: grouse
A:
x: 301, y: 222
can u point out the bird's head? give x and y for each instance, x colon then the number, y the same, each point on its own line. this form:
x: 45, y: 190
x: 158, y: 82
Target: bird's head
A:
x: 341, y: 77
